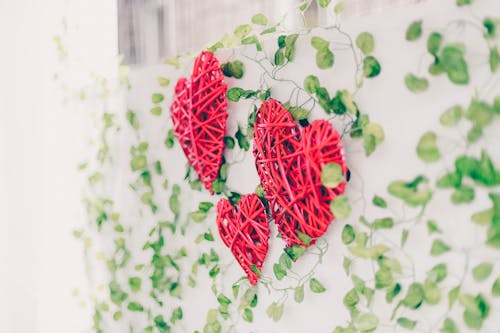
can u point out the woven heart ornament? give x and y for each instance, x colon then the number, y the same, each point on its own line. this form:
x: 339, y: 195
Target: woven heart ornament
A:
x: 289, y: 163
x: 199, y: 115
x: 245, y: 231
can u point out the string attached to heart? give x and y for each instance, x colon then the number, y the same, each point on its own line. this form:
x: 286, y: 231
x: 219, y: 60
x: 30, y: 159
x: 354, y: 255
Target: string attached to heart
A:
x: 199, y: 115
x: 289, y: 163
x: 245, y: 232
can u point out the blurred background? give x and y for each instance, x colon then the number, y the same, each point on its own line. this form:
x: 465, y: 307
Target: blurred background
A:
x: 42, y: 136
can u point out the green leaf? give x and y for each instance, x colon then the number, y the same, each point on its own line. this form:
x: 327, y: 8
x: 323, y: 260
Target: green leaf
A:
x: 242, y: 30
x: 298, y: 113
x: 482, y: 271
x: 116, y: 294
x: 319, y: 43
x: 305, y: 5
x: 439, y: 247
x: 348, y: 234
x: 117, y: 315
x: 452, y: 116
x: 268, y: 31
x: 223, y: 300
x: 484, y: 217
x: 339, y: 7
x: 414, y: 296
x: 259, y: 19
x: 450, y: 180
x: 275, y: 311
x: 494, y: 59
x: 463, y: 194
x: 279, y: 272
x: 474, y: 134
x: 163, y: 81
x: 410, y: 192
x: 404, y: 236
x: 374, y: 130
x: 366, y: 322
x: 342, y: 103
x: 304, y: 238
x: 438, y: 273
x: 208, y: 236
x: 383, y: 278
x: 332, y: 175
x: 351, y: 298
x: 135, y: 283
x: 170, y: 139
x: 234, y: 69
x: 371, y: 67
x: 383, y: 223
x: 298, y: 294
x: 449, y: 326
x: 156, y: 111
x: 454, y: 64
x: 157, y: 98
x: 198, y: 216
x: 340, y: 207
x: 324, y: 3
x: 416, y: 84
x: 406, y: 323
x: 427, y: 149
x: 365, y: 42
x: 480, y: 113
x: 324, y: 58
x: 464, y: 2
x: 379, y: 201
x: 476, y: 310
x: 452, y: 296
x: 138, y: 163
x: 491, y: 25
x: 177, y: 314
x: 279, y: 58
x: 392, y: 292
x: 434, y: 43
x: 369, y: 253
x: 135, y: 307
x: 242, y: 139
x: 311, y: 84
x: 295, y: 251
x: 316, y: 286
x: 324, y: 99
x: 432, y: 295
x: 234, y: 94
x: 229, y: 142
x: 414, y: 31
x: 132, y: 119
x: 495, y: 288
x: 247, y: 315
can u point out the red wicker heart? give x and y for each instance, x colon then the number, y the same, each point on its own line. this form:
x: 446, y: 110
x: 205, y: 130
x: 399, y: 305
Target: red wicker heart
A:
x: 199, y: 115
x: 289, y: 164
x: 245, y: 231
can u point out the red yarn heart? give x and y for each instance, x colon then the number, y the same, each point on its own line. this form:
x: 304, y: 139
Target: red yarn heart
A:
x: 245, y: 231
x: 199, y: 115
x: 289, y: 164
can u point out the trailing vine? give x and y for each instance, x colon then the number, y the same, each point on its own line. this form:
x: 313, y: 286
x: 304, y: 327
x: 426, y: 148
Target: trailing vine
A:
x: 149, y: 263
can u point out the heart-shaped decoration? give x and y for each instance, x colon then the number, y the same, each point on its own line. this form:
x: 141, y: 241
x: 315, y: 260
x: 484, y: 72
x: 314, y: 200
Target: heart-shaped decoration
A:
x: 199, y: 114
x: 245, y: 232
x: 289, y: 163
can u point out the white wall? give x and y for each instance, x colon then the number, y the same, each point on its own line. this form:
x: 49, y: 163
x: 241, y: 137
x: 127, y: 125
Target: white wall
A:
x: 405, y: 117
x: 41, y: 144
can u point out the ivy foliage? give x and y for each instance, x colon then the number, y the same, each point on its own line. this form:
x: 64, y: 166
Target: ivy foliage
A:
x: 151, y: 288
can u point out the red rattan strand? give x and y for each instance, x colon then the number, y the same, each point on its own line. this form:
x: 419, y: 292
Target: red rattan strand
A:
x: 289, y: 164
x: 245, y: 231
x: 199, y: 114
